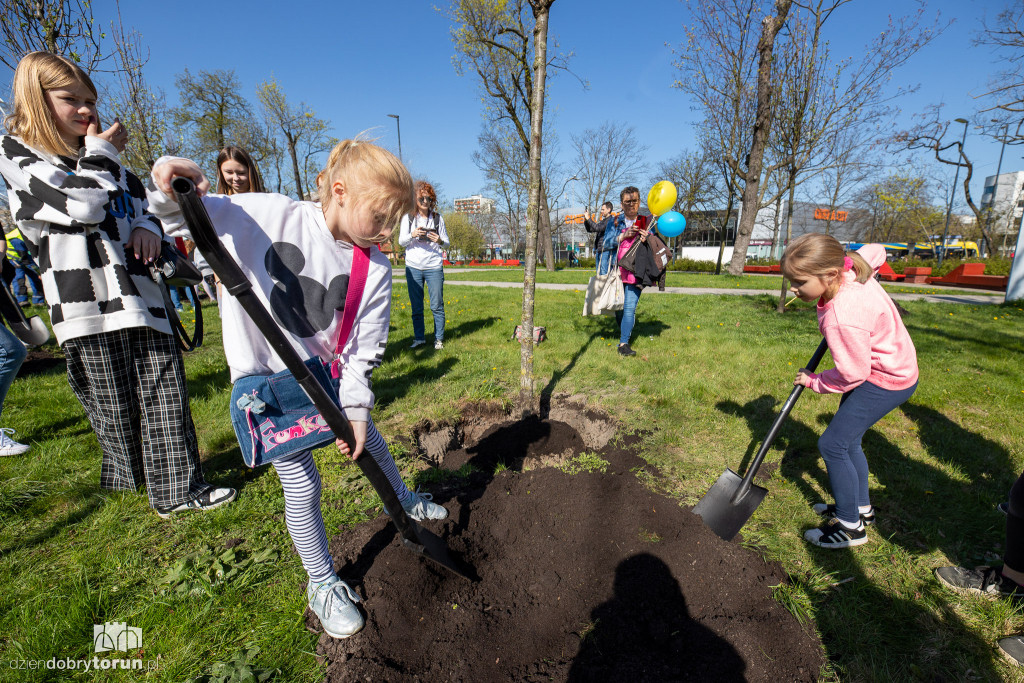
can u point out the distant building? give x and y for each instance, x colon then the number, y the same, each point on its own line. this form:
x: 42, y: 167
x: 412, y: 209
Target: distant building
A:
x: 474, y: 204
x: 1004, y: 195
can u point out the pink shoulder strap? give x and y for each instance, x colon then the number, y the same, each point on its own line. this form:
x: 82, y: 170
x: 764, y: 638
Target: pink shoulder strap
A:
x: 356, y: 284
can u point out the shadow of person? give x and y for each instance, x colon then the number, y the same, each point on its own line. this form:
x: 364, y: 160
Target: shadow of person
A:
x: 645, y: 633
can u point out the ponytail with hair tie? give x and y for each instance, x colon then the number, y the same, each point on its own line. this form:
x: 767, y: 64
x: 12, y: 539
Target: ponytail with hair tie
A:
x: 847, y: 263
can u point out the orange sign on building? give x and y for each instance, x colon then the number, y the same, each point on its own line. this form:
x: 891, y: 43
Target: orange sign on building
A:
x: 829, y: 215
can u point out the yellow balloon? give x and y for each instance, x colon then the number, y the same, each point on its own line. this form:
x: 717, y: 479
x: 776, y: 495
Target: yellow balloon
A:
x: 661, y: 198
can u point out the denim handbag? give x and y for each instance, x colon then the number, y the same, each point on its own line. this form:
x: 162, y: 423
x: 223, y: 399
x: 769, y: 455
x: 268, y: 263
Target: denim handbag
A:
x: 272, y: 415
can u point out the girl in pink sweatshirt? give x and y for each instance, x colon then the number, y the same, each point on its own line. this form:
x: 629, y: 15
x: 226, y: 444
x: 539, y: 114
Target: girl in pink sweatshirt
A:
x: 875, y: 370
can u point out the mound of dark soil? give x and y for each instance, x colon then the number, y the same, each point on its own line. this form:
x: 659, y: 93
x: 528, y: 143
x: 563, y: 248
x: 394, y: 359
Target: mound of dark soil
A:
x: 39, y: 360
x: 583, y: 577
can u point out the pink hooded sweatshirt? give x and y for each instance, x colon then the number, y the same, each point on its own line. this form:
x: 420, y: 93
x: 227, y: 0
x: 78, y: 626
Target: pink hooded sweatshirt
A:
x: 865, y: 334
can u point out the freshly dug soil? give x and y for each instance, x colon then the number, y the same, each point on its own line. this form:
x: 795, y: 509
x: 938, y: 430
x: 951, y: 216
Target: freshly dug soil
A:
x: 39, y: 360
x: 583, y: 577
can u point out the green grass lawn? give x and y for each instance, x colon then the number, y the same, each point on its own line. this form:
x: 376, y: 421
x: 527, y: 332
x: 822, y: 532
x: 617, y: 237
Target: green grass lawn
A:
x: 710, y: 374
x: 768, y: 283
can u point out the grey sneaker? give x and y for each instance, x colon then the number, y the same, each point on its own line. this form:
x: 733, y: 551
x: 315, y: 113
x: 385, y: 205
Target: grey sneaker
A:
x: 207, y: 500
x: 1012, y: 648
x: 438, y: 344
x: 9, y: 446
x: 334, y: 602
x: 981, y: 581
x: 417, y: 342
x: 420, y: 506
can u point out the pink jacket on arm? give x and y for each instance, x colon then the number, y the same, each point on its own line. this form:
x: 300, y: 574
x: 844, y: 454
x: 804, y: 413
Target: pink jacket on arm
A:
x: 867, y: 337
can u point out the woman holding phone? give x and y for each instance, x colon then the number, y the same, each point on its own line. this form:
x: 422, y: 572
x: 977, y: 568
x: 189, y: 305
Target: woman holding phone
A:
x: 424, y: 237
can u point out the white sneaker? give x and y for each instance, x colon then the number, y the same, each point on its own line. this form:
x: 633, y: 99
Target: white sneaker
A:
x: 9, y: 446
x: 417, y: 342
x: 438, y: 344
x: 335, y: 603
x: 420, y: 506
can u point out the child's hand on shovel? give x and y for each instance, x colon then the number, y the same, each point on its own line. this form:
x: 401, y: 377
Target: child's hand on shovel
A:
x: 359, y: 429
x: 803, y: 377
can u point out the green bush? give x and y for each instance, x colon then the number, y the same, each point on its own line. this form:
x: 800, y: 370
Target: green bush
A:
x: 993, y: 266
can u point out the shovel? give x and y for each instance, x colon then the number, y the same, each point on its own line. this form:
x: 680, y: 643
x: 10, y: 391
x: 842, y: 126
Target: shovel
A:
x: 33, y: 331
x: 414, y: 537
x: 731, y: 501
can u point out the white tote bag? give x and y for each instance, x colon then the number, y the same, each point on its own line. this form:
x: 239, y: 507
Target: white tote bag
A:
x: 604, y: 294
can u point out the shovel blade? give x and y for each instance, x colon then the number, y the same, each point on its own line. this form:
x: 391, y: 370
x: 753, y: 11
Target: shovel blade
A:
x: 724, y: 516
x: 434, y: 548
x: 37, y: 334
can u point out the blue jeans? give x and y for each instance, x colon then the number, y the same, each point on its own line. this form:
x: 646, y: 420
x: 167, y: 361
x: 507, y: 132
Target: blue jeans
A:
x: 840, y: 444
x: 627, y: 316
x: 26, y: 274
x: 434, y: 280
x: 604, y: 261
x: 12, y: 353
x: 176, y: 296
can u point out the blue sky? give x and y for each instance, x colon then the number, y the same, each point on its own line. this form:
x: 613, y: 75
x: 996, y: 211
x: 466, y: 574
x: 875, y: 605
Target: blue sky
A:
x: 357, y: 62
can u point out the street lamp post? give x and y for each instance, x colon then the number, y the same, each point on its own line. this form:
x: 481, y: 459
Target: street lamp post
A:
x: 398, y: 125
x: 995, y: 188
x: 949, y: 209
x: 554, y: 238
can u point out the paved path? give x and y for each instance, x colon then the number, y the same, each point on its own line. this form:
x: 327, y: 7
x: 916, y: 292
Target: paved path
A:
x: 899, y: 296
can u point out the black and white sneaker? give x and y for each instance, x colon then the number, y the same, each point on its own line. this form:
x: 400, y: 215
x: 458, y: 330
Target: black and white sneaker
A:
x: 207, y: 500
x: 980, y: 581
x: 1004, y: 507
x: 625, y: 350
x: 832, y: 534
x: 829, y: 510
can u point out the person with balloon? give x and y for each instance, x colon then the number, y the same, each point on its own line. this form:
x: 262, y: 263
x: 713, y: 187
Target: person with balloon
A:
x: 629, y: 227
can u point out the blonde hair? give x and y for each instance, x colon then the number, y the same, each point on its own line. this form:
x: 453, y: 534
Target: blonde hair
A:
x: 371, y: 175
x: 32, y: 119
x: 817, y: 255
x: 241, y: 156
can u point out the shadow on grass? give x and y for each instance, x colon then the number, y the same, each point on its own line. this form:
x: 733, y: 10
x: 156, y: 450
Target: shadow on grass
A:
x: 928, y: 647
x: 401, y: 345
x: 940, y: 340
x: 86, y: 502
x: 545, y: 393
x: 797, y: 441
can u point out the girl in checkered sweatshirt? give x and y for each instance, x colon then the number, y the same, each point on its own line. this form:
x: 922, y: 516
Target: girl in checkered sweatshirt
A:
x: 875, y: 370
x: 299, y: 257
x: 84, y: 217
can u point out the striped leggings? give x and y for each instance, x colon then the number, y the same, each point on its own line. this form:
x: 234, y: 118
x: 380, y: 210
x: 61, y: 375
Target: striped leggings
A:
x: 300, y: 480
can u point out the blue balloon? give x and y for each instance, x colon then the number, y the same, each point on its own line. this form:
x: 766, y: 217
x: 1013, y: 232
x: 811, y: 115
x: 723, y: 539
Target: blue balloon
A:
x: 671, y: 224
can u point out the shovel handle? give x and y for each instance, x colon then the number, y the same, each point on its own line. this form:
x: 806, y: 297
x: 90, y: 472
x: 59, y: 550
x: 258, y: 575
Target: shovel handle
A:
x: 755, y: 464
x: 238, y: 285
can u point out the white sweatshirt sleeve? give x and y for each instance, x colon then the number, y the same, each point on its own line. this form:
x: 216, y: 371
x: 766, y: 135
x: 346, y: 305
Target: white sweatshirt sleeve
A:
x: 405, y: 232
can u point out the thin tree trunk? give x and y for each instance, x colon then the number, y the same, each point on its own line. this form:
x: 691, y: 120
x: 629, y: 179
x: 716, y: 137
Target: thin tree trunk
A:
x: 770, y: 27
x: 540, y: 48
x: 725, y: 231
x: 781, y: 308
x: 295, y: 168
x: 544, y: 236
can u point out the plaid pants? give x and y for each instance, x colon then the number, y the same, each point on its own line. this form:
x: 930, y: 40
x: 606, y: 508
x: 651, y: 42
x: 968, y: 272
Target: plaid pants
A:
x: 132, y: 385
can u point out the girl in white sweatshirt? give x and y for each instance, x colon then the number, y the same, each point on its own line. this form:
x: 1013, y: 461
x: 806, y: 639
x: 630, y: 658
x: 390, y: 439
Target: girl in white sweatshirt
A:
x: 302, y: 253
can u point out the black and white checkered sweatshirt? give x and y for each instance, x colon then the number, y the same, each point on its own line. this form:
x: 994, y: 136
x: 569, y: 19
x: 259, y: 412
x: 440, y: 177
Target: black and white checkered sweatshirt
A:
x: 76, y: 216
